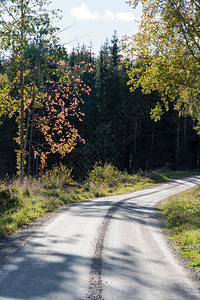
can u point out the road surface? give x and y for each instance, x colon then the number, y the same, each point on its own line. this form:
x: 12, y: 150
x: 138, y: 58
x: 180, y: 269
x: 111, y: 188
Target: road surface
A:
x: 107, y: 248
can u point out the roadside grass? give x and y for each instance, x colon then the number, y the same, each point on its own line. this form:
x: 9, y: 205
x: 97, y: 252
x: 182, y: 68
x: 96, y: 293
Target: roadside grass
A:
x: 182, y: 214
x: 22, y: 204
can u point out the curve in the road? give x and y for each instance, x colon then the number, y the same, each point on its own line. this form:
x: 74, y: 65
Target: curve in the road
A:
x: 106, y: 248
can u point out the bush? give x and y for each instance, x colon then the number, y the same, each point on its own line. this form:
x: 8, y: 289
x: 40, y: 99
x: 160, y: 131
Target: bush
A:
x: 59, y: 176
x: 8, y: 198
x: 104, y: 175
x: 158, y: 177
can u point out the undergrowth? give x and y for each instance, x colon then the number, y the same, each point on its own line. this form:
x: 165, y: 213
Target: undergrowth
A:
x: 21, y: 204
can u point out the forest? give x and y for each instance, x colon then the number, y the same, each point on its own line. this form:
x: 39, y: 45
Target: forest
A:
x: 81, y: 125
x: 79, y: 108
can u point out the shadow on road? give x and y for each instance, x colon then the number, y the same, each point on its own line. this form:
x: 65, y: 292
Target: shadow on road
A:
x: 51, y: 267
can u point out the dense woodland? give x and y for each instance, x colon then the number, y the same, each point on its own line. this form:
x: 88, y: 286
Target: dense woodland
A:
x: 115, y: 124
x: 118, y: 128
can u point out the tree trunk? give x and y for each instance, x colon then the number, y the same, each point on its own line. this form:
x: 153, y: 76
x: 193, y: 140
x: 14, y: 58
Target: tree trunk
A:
x: 177, y: 144
x: 134, y: 159
x: 31, y: 133
x: 152, y: 147
x: 21, y: 118
x: 21, y: 125
x: 184, y: 137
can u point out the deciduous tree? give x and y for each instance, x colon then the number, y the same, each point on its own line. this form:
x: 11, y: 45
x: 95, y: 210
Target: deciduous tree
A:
x: 61, y: 107
x: 165, y: 52
x: 21, y: 23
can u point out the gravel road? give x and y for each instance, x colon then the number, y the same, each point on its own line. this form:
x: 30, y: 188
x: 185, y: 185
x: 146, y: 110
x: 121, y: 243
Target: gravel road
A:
x: 106, y: 248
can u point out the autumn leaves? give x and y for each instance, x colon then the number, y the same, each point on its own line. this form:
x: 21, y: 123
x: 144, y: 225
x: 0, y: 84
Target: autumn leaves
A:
x: 38, y: 87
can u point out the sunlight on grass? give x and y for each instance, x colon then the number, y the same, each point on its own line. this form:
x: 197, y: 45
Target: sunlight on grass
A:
x: 22, y: 204
x: 182, y: 215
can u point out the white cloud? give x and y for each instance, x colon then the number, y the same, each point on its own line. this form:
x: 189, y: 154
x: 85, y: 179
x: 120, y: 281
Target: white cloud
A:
x: 83, y: 13
x: 126, y: 17
x: 109, y: 15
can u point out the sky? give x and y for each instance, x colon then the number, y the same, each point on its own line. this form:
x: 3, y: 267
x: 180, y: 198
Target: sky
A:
x: 91, y: 21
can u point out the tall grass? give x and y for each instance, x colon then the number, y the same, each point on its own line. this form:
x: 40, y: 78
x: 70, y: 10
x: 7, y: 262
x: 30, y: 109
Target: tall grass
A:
x: 21, y: 204
x: 182, y: 214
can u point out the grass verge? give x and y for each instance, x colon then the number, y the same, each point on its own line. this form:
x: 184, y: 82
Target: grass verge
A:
x: 21, y: 204
x: 182, y: 214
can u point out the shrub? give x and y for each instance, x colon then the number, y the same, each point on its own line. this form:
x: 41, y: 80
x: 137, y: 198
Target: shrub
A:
x: 104, y: 175
x: 26, y: 192
x: 158, y: 177
x: 8, y: 198
x: 59, y: 176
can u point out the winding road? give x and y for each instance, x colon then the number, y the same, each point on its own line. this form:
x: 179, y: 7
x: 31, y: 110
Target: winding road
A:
x: 106, y: 248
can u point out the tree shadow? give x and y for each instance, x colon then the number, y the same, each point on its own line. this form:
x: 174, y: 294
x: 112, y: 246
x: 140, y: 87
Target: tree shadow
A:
x: 38, y: 272
x: 54, y: 269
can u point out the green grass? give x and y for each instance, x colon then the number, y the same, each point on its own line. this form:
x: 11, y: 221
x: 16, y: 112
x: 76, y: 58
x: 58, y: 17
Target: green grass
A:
x: 21, y: 204
x: 182, y: 215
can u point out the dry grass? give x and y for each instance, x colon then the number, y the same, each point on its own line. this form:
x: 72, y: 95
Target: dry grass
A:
x: 20, y: 204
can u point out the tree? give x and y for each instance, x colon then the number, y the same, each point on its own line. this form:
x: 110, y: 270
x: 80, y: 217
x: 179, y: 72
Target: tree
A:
x: 165, y: 52
x: 61, y: 108
x: 113, y: 115
x: 23, y: 23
